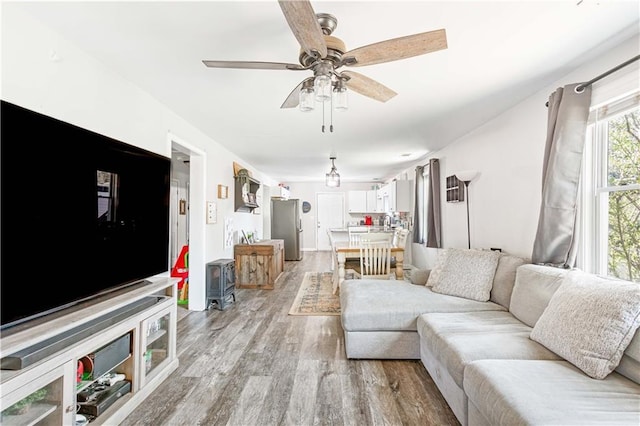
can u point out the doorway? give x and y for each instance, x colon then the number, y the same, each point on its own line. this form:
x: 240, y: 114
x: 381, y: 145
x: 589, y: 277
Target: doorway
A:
x: 189, y: 197
x: 330, y: 216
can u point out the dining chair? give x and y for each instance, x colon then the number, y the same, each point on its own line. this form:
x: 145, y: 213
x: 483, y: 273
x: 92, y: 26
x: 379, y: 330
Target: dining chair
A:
x: 355, y: 233
x: 375, y: 260
x: 399, y: 240
x: 377, y: 236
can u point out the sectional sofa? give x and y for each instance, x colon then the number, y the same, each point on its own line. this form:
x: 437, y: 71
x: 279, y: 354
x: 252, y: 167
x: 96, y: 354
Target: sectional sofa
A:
x: 505, y: 341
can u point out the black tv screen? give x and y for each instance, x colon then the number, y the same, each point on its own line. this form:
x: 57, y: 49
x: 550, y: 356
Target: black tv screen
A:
x: 82, y: 215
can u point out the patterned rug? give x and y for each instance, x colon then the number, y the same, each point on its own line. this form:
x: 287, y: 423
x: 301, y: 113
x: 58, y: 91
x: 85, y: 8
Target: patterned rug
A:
x: 315, y: 296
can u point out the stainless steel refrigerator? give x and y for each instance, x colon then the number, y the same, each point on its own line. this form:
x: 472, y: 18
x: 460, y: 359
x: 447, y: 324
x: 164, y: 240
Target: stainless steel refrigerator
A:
x: 286, y: 224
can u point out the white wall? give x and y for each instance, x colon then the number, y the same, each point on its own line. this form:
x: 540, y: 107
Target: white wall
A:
x: 79, y: 90
x: 507, y: 151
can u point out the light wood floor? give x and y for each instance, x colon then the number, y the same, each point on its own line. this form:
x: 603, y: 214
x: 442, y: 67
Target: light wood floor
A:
x: 253, y: 364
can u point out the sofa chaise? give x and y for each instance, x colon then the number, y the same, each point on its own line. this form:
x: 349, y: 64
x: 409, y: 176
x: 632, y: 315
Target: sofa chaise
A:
x: 502, y: 343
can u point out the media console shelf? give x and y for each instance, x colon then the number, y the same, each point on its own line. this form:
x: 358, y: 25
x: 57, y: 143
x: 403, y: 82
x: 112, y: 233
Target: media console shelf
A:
x: 136, y: 338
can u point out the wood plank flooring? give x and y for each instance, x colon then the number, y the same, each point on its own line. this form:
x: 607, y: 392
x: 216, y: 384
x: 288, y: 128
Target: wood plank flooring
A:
x: 253, y: 364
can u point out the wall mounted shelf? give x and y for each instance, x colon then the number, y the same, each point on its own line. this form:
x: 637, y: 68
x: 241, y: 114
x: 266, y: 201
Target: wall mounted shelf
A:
x: 455, y: 189
x: 246, y: 189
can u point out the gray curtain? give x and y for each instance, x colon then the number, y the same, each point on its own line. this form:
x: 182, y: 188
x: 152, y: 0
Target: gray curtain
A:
x: 555, y: 242
x: 418, y: 206
x: 434, y: 233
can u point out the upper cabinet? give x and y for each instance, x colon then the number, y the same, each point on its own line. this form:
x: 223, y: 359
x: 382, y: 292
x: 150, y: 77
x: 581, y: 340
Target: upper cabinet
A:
x: 357, y: 201
x: 363, y: 201
x: 372, y: 201
x: 246, y: 189
x: 396, y: 196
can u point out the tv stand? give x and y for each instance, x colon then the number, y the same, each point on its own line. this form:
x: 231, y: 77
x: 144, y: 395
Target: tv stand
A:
x: 132, y: 333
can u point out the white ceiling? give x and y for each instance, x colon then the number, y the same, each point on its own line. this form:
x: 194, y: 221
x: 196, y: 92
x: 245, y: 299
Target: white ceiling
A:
x: 498, y: 53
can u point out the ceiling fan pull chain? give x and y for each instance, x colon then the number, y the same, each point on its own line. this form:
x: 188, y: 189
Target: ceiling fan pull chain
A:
x: 331, y: 112
x: 322, y: 117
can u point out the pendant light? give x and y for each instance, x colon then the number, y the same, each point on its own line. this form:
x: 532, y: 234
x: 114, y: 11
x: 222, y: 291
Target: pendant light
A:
x: 332, y: 179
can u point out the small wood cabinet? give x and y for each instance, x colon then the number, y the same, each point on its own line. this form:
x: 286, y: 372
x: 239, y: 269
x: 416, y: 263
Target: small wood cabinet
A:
x: 259, y: 265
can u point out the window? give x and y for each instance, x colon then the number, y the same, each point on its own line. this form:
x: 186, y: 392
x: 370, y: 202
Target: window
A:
x: 611, y: 182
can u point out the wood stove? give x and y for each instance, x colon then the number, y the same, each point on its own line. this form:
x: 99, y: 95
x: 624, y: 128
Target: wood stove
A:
x: 221, y: 280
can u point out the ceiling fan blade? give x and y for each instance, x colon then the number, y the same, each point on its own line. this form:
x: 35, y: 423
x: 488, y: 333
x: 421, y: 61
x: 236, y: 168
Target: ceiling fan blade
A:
x: 398, y: 48
x: 304, y: 24
x: 253, y: 65
x: 368, y: 87
x: 293, y: 99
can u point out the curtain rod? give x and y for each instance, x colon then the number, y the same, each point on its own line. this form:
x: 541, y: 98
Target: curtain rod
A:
x: 581, y: 86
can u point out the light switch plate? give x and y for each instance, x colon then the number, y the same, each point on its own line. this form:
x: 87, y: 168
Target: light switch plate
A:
x: 212, y: 212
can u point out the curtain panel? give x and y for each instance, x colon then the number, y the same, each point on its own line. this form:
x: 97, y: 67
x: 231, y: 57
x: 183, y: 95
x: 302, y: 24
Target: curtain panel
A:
x: 556, y: 239
x: 418, y: 206
x: 434, y: 217
x: 427, y: 227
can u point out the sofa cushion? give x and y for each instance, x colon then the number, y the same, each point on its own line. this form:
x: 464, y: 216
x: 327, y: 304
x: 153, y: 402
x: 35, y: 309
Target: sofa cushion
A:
x: 590, y: 321
x: 630, y: 363
x: 468, y: 274
x: 380, y: 305
x: 519, y: 392
x: 456, y: 339
x: 505, y: 278
x: 535, y: 284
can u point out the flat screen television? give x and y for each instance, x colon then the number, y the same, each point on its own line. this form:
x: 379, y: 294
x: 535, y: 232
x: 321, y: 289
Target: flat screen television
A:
x: 82, y: 215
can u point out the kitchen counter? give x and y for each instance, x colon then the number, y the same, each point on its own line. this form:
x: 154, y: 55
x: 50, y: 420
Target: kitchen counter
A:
x: 364, y: 228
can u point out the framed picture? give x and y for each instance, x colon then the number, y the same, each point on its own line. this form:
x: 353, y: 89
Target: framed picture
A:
x: 182, y: 207
x: 223, y: 191
x: 252, y: 198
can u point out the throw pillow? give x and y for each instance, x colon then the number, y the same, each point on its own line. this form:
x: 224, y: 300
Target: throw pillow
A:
x: 468, y: 274
x: 434, y: 275
x: 420, y: 276
x: 590, y: 321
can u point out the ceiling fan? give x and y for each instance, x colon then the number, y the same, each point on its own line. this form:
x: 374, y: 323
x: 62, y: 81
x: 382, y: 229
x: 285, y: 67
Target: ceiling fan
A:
x: 325, y: 54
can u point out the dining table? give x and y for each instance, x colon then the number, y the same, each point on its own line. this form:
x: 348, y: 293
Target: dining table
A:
x: 347, y: 250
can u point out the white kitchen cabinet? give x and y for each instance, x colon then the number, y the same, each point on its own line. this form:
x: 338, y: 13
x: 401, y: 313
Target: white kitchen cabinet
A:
x: 372, y: 201
x: 357, y: 201
x: 364, y: 201
x: 396, y: 196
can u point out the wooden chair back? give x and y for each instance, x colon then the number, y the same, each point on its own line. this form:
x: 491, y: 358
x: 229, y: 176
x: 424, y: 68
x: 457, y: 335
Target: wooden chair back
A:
x: 376, y: 236
x: 375, y: 260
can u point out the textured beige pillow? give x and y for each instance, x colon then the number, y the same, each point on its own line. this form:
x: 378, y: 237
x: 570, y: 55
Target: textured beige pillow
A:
x: 590, y: 321
x: 467, y: 273
x: 434, y: 275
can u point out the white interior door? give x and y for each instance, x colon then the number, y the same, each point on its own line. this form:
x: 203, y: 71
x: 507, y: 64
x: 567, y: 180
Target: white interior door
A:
x: 330, y: 215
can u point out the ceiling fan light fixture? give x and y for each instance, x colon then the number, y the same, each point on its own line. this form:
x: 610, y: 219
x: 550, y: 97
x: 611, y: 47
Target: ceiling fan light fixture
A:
x: 332, y: 179
x: 322, y: 87
x: 307, y: 100
x: 340, y: 98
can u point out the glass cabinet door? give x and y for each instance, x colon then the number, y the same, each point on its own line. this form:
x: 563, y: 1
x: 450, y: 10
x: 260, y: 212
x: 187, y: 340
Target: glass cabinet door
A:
x: 156, y: 343
x: 40, y: 402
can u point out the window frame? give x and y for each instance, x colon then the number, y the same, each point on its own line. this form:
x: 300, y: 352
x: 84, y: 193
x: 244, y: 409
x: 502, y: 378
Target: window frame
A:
x: 594, y: 201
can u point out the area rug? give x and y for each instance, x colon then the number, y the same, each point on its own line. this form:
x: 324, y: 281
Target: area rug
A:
x: 315, y: 296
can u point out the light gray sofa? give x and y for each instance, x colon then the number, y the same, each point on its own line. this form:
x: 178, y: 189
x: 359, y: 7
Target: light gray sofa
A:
x: 481, y: 354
